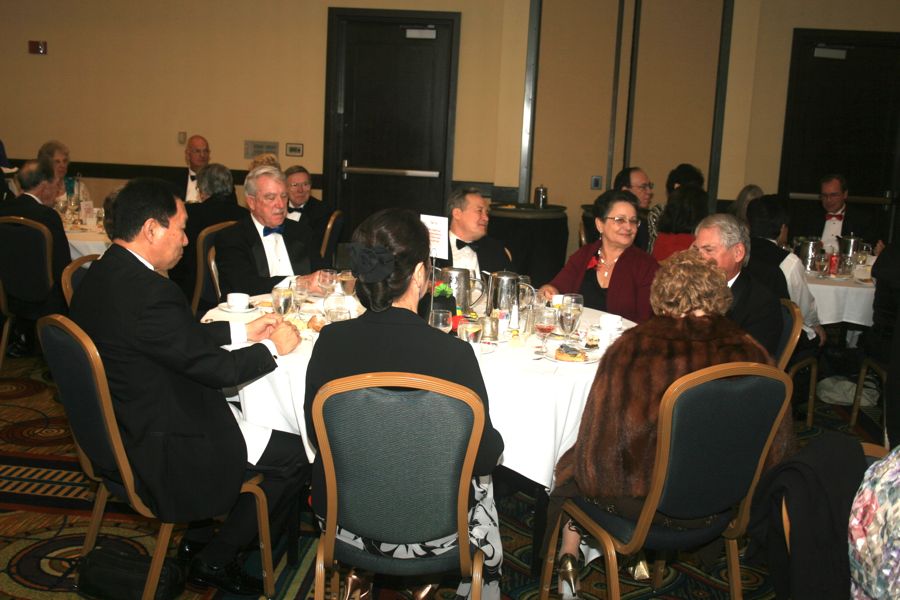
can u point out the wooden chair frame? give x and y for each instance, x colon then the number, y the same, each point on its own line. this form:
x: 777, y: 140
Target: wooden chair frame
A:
x: 213, y: 271
x: 868, y: 363
x: 203, y: 263
x: 326, y: 237
x: 7, y: 324
x: 469, y: 566
x: 69, y: 272
x: 48, y: 240
x: 793, y: 337
x: 611, y: 545
x: 123, y: 466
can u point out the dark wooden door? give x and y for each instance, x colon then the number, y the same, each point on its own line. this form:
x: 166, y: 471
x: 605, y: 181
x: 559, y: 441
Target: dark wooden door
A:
x: 843, y: 115
x: 391, y: 99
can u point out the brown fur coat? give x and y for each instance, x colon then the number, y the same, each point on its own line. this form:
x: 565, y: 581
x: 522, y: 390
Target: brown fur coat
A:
x: 616, y: 447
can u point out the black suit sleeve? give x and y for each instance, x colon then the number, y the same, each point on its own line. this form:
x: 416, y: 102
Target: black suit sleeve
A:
x: 236, y: 263
x: 62, y: 255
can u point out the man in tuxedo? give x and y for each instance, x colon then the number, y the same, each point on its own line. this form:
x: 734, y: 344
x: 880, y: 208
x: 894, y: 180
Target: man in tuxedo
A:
x: 188, y: 449
x: 302, y: 206
x: 767, y: 218
x: 724, y: 240
x: 834, y: 217
x: 219, y: 204
x: 470, y: 246
x: 196, y: 155
x: 36, y: 180
x: 265, y: 248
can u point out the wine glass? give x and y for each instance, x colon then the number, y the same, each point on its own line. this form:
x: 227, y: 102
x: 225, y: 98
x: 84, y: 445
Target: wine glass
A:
x: 544, y: 323
x: 282, y: 300
x: 301, y: 293
x: 326, y: 279
x: 570, y: 313
x: 440, y: 319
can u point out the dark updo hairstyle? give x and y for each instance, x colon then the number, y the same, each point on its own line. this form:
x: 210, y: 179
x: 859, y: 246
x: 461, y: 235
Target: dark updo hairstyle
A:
x: 687, y: 206
x: 605, y: 201
x: 385, y: 251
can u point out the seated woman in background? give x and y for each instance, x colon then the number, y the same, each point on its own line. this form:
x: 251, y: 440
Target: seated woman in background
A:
x: 389, y: 257
x: 612, y: 274
x: 687, y: 206
x: 56, y: 153
x: 874, y: 533
x: 748, y: 194
x: 613, y: 457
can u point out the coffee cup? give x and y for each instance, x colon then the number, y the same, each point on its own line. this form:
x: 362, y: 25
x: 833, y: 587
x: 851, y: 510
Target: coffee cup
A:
x: 238, y: 301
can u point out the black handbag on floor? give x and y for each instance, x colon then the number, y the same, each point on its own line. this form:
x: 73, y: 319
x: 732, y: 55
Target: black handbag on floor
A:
x: 106, y: 574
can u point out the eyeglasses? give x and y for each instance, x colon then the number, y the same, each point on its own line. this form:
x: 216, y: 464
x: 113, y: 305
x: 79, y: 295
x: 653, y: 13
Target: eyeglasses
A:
x: 620, y: 221
x: 644, y: 186
x: 831, y: 195
x: 300, y: 185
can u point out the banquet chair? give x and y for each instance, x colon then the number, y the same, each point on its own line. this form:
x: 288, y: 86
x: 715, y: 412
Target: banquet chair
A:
x: 7, y: 324
x: 875, y: 365
x: 206, y: 286
x: 71, y: 276
x: 715, y: 428
x: 84, y: 393
x: 791, y: 326
x: 792, y: 329
x: 409, y: 483
x: 332, y: 235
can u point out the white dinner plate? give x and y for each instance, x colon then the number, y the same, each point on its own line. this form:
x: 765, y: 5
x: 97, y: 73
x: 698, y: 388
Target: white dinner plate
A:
x: 224, y: 306
x: 591, y: 358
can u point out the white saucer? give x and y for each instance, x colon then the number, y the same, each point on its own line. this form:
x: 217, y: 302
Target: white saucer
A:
x: 224, y: 306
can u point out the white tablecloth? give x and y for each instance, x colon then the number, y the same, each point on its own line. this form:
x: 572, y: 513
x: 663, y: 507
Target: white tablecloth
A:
x: 84, y: 242
x: 842, y: 300
x: 536, y: 405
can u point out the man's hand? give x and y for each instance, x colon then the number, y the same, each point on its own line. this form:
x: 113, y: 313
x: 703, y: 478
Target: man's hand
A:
x: 820, y: 333
x: 548, y: 291
x: 263, y: 327
x: 285, y: 337
x: 878, y: 248
x: 315, y: 287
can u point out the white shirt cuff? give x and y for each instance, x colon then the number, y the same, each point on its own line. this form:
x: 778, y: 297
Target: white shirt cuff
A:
x: 271, y: 346
x: 238, y: 332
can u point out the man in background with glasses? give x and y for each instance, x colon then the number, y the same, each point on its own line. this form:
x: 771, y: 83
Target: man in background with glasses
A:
x: 636, y: 181
x: 196, y: 155
x: 302, y: 206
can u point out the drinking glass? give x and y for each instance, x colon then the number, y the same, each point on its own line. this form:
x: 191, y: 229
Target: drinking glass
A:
x: 282, y: 300
x: 544, y: 323
x: 326, y: 279
x: 469, y: 330
x: 440, y: 319
x: 821, y: 264
x: 337, y: 314
x: 347, y: 282
x: 301, y: 293
x: 570, y: 313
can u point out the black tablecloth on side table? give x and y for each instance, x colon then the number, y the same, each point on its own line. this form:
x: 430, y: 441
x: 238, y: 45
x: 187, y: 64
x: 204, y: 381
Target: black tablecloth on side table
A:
x: 536, y: 238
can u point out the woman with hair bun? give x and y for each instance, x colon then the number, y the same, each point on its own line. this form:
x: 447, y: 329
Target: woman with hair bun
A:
x: 389, y: 257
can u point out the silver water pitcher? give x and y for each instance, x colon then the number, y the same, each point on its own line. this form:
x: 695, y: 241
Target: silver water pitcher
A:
x: 463, y: 286
x: 506, y: 293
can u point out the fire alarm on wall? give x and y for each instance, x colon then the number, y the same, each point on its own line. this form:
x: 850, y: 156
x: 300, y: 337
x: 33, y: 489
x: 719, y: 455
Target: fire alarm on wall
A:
x: 35, y: 47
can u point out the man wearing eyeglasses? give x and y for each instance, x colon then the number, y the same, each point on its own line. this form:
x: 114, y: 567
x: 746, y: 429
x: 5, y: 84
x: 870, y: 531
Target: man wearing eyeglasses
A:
x: 196, y: 155
x: 302, y: 206
x: 834, y: 217
x: 636, y: 181
x: 724, y: 240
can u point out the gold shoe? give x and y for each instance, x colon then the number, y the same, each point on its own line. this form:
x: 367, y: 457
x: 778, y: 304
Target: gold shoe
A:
x: 567, y: 572
x: 425, y: 592
x: 357, y: 583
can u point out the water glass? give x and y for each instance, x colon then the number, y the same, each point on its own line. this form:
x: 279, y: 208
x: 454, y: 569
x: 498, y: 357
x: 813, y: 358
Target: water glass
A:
x: 440, y: 319
x: 469, y: 330
x: 337, y: 314
x: 282, y: 300
x: 326, y: 280
x: 347, y: 282
x: 301, y: 293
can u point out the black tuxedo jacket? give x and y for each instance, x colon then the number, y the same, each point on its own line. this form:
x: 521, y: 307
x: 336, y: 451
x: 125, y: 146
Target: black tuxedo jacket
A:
x: 165, y: 374
x: 28, y: 206
x: 241, y: 257
x: 396, y: 340
x: 491, y: 256
x: 765, y: 266
x: 316, y: 214
x: 180, y: 183
x: 756, y: 310
x: 856, y: 221
x: 215, y: 209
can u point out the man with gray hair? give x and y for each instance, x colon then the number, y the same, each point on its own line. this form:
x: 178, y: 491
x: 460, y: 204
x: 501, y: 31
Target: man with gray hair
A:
x: 470, y: 246
x: 724, y: 240
x: 265, y: 249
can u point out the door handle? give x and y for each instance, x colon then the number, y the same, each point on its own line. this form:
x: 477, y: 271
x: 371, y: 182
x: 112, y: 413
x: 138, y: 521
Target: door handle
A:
x: 346, y: 170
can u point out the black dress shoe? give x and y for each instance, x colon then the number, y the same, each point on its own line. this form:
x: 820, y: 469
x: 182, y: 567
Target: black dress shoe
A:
x: 187, y: 550
x: 228, y: 578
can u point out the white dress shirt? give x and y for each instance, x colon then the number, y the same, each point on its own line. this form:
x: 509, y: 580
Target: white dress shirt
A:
x: 464, y: 258
x: 276, y: 253
x: 296, y: 214
x: 831, y: 230
x: 192, y: 193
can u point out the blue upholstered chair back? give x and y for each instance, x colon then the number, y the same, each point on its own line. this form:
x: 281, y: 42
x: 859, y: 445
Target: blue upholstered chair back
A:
x: 25, y: 255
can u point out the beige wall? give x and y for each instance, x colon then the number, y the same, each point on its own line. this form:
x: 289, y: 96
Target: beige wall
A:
x: 758, y: 78
x: 122, y: 78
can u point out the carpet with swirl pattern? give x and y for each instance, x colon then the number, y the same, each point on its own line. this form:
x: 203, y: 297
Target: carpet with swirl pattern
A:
x: 45, y: 507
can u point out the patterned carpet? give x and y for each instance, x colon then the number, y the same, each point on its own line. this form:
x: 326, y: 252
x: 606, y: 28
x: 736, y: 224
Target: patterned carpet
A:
x: 45, y: 506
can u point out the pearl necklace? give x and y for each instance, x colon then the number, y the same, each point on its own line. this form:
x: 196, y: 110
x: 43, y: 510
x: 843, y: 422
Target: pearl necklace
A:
x: 606, y: 268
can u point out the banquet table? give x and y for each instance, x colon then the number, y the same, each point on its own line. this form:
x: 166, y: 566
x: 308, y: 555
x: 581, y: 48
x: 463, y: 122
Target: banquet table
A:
x: 842, y: 300
x: 84, y: 241
x: 536, y: 405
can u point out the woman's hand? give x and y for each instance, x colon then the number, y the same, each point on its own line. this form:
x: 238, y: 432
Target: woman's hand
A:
x: 547, y: 291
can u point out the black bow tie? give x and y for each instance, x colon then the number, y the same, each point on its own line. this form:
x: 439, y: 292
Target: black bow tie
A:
x: 193, y: 178
x: 291, y: 209
x: 271, y: 230
x: 461, y: 244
